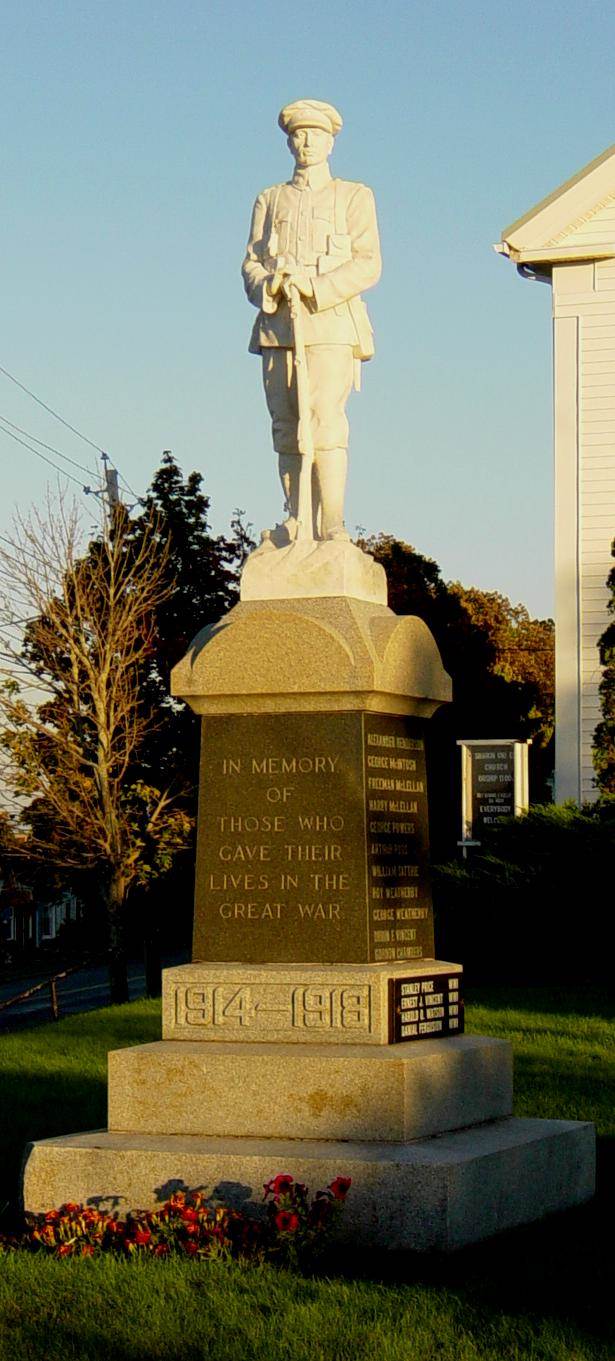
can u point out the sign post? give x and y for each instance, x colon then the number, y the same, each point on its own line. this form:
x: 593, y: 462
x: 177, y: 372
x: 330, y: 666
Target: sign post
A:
x: 494, y: 785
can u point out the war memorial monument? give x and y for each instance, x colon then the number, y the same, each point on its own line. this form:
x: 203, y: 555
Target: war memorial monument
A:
x: 315, y: 1031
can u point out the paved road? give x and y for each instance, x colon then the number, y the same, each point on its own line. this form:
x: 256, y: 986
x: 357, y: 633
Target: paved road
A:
x: 81, y: 991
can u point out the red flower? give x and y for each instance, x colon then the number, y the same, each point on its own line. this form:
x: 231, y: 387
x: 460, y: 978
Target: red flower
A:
x: 162, y: 1250
x: 142, y: 1236
x: 71, y: 1207
x: 65, y: 1250
x: 87, y: 1250
x: 191, y: 1248
x: 287, y: 1221
x: 281, y: 1185
x: 340, y: 1187
x: 190, y: 1216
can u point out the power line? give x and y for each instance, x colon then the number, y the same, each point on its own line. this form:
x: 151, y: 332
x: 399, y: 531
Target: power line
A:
x: 50, y: 447
x: 51, y: 410
x: 38, y: 454
x: 68, y: 426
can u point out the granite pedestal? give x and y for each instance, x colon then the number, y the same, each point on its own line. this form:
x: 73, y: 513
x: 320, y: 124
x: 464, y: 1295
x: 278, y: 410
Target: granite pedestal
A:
x: 315, y: 1033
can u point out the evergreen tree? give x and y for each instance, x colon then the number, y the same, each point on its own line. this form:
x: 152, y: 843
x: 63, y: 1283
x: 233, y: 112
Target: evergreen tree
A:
x: 604, y: 736
x: 201, y: 579
x: 201, y: 575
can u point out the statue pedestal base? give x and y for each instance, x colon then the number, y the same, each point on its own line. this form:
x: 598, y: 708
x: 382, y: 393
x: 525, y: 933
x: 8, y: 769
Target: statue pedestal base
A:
x: 308, y: 568
x: 318, y: 1036
x: 422, y: 1128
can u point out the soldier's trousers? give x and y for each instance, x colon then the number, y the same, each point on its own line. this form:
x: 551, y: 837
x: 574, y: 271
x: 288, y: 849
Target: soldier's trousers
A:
x: 330, y: 370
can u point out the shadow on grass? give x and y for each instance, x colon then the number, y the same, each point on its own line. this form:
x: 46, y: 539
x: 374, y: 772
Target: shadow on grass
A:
x: 42, y: 1108
x: 560, y: 1268
x: 43, y: 1096
x: 591, y: 1000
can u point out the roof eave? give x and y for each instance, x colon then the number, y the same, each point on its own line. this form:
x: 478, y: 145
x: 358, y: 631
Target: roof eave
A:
x: 554, y: 255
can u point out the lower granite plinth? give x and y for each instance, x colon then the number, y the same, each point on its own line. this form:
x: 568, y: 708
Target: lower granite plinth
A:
x: 431, y: 1195
x: 286, y: 1091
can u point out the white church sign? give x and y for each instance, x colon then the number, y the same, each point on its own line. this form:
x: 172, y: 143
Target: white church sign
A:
x: 494, y: 784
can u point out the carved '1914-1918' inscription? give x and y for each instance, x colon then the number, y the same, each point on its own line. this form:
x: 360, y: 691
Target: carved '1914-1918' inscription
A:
x: 313, y: 840
x: 272, y: 1007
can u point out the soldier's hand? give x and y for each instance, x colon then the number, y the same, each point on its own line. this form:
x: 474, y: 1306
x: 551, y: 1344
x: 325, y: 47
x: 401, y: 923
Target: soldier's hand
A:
x: 301, y: 282
x: 274, y: 284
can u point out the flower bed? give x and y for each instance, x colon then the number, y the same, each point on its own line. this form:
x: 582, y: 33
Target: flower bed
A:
x: 293, y: 1228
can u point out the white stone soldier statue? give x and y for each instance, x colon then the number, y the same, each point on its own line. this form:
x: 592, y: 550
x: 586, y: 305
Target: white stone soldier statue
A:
x: 320, y: 236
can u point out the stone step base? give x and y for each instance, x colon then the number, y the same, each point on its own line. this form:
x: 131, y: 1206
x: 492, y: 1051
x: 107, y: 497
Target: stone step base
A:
x: 435, y: 1194
x: 284, y: 1091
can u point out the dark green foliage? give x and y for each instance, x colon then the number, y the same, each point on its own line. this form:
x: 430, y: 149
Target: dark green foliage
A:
x: 201, y: 571
x: 485, y: 702
x: 535, y: 903
x: 604, y: 736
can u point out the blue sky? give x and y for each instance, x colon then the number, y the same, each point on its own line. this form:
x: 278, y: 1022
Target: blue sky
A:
x: 135, y: 139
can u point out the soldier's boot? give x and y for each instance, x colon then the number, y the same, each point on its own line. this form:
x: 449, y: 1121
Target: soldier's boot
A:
x: 288, y: 467
x: 330, y: 468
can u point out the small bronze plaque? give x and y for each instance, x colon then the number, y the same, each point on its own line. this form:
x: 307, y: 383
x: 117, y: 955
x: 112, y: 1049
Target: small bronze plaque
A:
x: 313, y: 840
x: 425, y: 1007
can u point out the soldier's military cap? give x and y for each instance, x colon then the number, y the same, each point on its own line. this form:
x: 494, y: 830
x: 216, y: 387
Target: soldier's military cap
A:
x: 310, y: 113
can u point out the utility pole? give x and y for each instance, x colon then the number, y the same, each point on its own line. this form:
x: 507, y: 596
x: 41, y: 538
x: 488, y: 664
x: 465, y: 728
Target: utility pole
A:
x: 111, y: 490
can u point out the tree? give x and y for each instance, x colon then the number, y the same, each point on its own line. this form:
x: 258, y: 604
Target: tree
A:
x: 74, y: 711
x: 476, y: 634
x: 524, y: 648
x: 604, y: 736
x: 199, y: 574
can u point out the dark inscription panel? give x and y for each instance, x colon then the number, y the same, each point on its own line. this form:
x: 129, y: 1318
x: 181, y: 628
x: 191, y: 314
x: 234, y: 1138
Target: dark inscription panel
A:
x: 426, y: 1007
x: 281, y: 868
x: 493, y: 785
x: 397, y: 839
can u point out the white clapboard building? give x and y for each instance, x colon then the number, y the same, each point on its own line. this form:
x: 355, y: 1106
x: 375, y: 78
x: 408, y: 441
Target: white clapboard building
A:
x: 569, y: 238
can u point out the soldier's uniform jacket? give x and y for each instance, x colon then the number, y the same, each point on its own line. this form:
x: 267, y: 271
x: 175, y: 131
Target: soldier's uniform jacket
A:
x: 330, y: 233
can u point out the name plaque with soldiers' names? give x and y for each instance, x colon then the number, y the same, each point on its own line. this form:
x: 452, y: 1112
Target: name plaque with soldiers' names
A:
x: 424, y: 1007
x: 313, y: 840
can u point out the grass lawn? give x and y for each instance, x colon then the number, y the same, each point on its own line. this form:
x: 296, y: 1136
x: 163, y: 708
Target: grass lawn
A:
x: 542, y: 1293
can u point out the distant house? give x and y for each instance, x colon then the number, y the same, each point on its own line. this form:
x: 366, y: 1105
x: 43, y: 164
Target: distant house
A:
x: 27, y: 924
